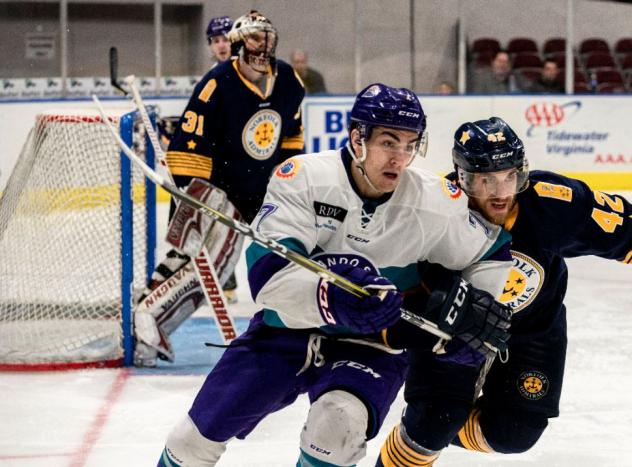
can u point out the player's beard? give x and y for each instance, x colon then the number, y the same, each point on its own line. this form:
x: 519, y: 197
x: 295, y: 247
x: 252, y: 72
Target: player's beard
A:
x: 495, y: 210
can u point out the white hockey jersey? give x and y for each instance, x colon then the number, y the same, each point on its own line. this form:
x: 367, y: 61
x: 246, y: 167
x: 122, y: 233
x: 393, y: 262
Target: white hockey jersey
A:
x: 312, y: 207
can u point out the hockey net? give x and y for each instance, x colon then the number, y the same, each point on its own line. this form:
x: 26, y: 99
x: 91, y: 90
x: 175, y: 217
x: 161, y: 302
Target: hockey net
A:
x: 75, y: 244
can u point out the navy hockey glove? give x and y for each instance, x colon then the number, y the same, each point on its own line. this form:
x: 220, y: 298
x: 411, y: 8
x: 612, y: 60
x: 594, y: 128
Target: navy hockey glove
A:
x: 473, y: 316
x: 363, y: 315
x: 470, y: 314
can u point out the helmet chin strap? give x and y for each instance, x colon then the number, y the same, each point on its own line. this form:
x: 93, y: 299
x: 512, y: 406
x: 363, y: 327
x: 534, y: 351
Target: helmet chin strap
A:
x: 359, y: 162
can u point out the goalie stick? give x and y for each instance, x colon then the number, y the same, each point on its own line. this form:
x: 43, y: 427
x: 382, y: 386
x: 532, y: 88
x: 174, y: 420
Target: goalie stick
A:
x: 261, y: 239
x: 203, y: 266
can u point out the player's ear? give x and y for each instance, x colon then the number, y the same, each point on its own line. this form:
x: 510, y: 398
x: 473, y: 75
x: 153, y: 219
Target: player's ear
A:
x: 354, y: 137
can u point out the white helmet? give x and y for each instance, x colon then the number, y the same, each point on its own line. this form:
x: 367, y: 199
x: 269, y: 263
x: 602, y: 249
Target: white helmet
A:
x: 243, y: 29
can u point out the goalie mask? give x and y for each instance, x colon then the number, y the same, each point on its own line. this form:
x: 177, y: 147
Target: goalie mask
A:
x: 254, y: 39
x: 491, y: 149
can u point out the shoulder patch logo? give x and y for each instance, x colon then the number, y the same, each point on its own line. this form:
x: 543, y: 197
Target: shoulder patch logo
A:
x: 549, y: 190
x: 533, y: 385
x: 452, y: 190
x: 288, y: 169
x: 524, y: 282
x: 261, y: 134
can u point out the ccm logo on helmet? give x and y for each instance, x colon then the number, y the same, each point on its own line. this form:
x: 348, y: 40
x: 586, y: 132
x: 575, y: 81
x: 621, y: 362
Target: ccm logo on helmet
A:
x: 502, y: 155
x: 403, y: 113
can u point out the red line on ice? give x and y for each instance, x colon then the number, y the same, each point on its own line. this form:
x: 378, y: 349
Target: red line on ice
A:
x: 91, y: 437
x: 35, y: 456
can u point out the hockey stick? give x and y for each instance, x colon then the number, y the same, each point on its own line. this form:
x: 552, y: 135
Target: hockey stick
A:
x: 202, y: 264
x: 114, y: 70
x: 257, y: 237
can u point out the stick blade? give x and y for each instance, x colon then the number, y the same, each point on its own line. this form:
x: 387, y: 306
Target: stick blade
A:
x: 114, y: 70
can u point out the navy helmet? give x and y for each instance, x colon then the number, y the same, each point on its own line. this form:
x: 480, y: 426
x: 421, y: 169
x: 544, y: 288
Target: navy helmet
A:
x: 218, y: 27
x: 487, y: 146
x: 381, y: 105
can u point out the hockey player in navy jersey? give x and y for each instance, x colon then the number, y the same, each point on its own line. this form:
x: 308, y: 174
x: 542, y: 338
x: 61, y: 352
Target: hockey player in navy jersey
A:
x: 218, y: 43
x: 550, y: 217
x: 365, y: 214
x: 243, y: 119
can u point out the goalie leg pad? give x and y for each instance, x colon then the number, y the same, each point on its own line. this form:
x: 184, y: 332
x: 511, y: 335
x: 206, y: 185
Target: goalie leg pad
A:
x: 173, y: 262
x: 151, y: 341
x: 186, y: 447
x: 224, y: 245
x: 162, y: 311
x: 335, y: 430
x: 189, y: 228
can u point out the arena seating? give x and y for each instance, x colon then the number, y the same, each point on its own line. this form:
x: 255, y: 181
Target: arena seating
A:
x: 607, y: 66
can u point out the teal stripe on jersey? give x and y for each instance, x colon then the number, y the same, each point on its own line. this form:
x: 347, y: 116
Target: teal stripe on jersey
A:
x: 165, y: 461
x: 403, y: 277
x: 255, y: 251
x: 503, y: 239
x: 271, y: 318
x: 305, y: 460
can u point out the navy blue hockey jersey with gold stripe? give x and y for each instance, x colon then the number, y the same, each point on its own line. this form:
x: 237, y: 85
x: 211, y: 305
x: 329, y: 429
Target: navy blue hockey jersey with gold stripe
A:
x: 233, y: 133
x: 556, y: 218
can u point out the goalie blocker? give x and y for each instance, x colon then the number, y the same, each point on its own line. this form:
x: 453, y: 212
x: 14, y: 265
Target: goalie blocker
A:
x: 174, y: 292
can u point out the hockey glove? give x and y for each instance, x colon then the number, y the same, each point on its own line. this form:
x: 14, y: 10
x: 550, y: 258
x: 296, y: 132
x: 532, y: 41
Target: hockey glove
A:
x: 363, y: 315
x: 457, y: 351
x: 473, y: 316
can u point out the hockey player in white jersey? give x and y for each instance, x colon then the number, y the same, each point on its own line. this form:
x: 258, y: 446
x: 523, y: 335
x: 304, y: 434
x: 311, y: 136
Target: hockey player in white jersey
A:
x: 368, y: 216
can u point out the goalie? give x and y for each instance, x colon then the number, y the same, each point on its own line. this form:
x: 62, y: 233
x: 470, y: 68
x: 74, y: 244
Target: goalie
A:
x: 242, y: 120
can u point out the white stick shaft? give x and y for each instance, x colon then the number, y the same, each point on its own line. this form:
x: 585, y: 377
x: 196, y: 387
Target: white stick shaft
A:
x: 259, y: 238
x: 153, y: 137
x: 225, y: 323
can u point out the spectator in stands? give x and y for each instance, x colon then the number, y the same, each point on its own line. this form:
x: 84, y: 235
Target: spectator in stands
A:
x: 444, y: 87
x: 547, y: 83
x: 497, y: 79
x: 312, y: 79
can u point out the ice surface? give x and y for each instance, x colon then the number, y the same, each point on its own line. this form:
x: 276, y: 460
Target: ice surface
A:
x: 105, y: 418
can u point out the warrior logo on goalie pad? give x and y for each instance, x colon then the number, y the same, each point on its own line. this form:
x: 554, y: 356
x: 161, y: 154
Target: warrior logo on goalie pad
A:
x: 164, y: 302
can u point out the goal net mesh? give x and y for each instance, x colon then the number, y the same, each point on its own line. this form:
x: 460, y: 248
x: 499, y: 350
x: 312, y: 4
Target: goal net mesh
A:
x: 60, y: 244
